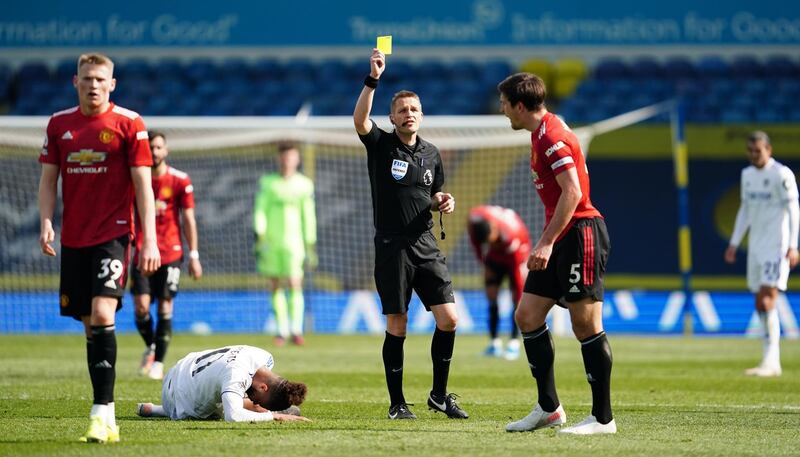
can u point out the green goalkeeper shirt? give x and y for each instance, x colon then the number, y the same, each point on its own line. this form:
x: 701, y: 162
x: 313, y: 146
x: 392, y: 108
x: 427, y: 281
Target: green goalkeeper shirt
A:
x: 283, y: 215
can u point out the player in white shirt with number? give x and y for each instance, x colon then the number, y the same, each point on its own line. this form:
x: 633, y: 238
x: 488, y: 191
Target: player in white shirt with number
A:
x: 235, y: 382
x: 769, y: 209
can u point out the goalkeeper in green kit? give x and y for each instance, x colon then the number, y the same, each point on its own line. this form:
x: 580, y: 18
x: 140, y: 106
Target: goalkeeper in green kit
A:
x: 286, y: 232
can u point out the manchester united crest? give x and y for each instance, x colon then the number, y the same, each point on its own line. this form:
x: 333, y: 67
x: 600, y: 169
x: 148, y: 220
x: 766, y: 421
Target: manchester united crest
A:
x: 106, y: 136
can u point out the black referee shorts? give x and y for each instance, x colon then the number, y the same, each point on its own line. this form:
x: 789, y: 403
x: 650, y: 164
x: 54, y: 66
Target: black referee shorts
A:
x: 577, y: 265
x: 90, y: 272
x: 403, y: 264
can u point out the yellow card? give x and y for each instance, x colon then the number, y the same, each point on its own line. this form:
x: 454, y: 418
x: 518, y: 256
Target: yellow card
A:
x: 385, y: 44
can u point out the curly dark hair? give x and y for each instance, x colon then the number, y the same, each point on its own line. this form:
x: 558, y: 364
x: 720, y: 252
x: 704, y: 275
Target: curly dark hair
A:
x: 284, y: 393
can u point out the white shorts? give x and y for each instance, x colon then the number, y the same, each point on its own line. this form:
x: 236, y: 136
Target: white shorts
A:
x: 767, y: 270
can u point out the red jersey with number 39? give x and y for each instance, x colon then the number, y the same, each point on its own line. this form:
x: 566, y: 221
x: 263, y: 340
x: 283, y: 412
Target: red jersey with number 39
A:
x: 173, y: 192
x: 95, y: 155
x: 555, y: 149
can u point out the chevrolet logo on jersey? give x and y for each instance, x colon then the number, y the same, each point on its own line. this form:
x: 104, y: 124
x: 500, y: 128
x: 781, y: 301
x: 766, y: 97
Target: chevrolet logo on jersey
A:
x: 86, y: 157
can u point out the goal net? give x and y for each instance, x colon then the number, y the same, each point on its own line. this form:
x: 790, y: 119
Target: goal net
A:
x: 485, y: 162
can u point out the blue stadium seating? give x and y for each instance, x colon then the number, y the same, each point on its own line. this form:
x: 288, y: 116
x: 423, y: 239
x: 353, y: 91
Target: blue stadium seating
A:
x: 744, y: 88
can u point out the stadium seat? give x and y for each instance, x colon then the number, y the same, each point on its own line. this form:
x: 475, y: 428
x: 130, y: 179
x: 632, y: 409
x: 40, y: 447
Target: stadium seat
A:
x: 611, y: 68
x: 568, y: 74
x: 712, y: 67
x: 540, y: 67
x: 465, y: 70
x: 770, y: 114
x: 267, y: 69
x: 33, y: 71
x: 735, y: 115
x: 746, y: 67
x: 781, y: 66
x: 65, y: 69
x: 677, y: 68
x: 201, y: 69
x: 646, y: 67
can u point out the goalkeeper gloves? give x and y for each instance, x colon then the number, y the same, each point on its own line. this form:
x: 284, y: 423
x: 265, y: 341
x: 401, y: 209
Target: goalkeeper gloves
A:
x: 311, y: 257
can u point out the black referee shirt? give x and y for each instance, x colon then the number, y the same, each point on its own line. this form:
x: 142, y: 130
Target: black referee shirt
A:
x: 402, y: 179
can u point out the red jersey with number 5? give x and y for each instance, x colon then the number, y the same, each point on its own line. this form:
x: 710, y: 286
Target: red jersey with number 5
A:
x: 555, y: 149
x: 95, y: 155
x: 173, y: 192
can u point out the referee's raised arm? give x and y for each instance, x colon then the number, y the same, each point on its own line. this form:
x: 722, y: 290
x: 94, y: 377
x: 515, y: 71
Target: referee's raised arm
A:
x: 377, y: 63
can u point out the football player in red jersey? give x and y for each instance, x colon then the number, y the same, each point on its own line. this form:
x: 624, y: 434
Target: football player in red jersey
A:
x: 101, y: 153
x: 174, y: 196
x: 567, y: 263
x: 502, y: 244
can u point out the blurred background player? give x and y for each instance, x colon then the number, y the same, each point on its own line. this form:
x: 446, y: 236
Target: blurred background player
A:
x: 235, y: 383
x: 567, y: 264
x: 502, y: 244
x: 100, y: 151
x: 769, y: 209
x: 285, y: 226
x: 406, y: 177
x: 174, y: 201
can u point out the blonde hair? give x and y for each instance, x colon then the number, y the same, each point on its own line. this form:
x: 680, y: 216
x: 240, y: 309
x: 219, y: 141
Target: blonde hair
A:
x: 95, y: 59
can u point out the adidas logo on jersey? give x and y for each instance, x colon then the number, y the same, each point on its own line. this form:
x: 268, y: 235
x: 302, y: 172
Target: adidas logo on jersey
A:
x: 574, y: 289
x: 67, y: 135
x: 110, y: 284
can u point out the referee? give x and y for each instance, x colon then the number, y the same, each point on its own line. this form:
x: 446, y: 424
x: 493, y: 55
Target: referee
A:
x: 406, y: 178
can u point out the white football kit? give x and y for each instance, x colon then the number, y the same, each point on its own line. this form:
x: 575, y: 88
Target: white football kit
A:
x: 769, y: 209
x: 193, y: 388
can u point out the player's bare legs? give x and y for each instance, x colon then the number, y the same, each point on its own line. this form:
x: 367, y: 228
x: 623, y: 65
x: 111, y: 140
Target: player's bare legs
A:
x: 144, y: 324
x: 765, y: 306
x: 101, y: 349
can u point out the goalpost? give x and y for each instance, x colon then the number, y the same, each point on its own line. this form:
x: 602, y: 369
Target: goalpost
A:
x: 485, y: 162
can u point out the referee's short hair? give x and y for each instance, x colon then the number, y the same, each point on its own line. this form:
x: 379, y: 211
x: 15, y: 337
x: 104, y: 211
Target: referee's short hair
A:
x: 525, y: 88
x: 404, y: 94
x: 759, y: 135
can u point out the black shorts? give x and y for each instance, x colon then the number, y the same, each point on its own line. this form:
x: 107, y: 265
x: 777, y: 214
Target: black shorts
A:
x: 494, y: 274
x: 403, y: 264
x: 94, y: 271
x: 577, y: 265
x: 161, y: 284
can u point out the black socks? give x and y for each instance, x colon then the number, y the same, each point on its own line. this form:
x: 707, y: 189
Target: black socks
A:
x: 102, y: 354
x: 441, y: 353
x: 163, y: 335
x: 144, y: 324
x: 393, y: 367
x: 540, y: 352
x: 597, y: 361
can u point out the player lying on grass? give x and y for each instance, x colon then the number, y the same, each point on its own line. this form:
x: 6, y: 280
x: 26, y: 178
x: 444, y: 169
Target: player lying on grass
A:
x: 235, y: 382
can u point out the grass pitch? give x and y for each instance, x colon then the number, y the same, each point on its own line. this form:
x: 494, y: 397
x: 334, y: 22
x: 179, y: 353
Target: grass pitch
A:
x: 671, y: 396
